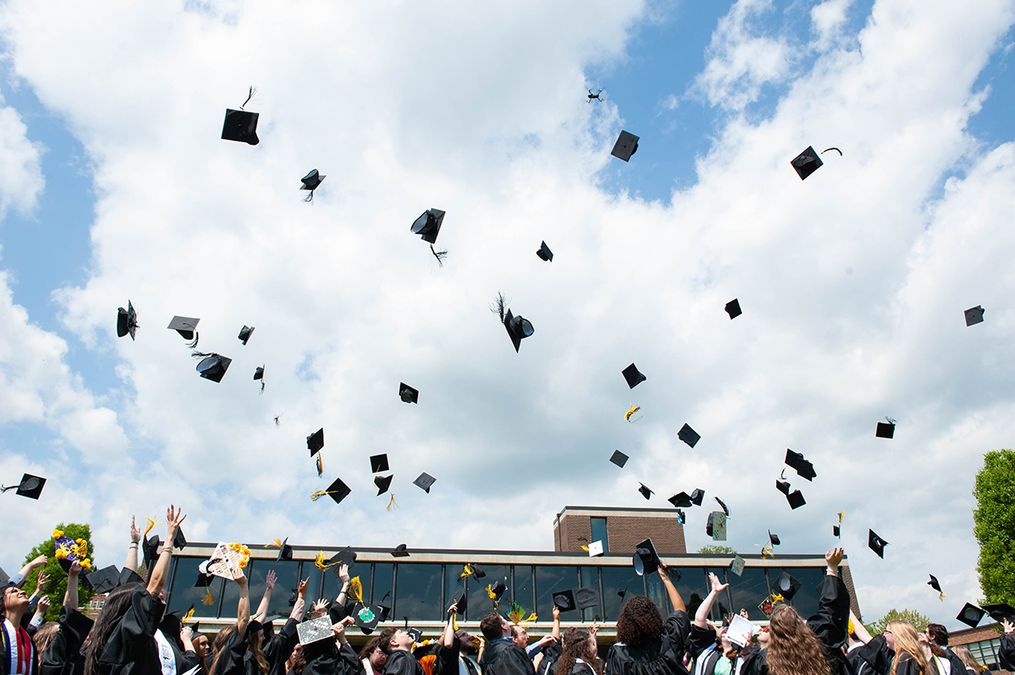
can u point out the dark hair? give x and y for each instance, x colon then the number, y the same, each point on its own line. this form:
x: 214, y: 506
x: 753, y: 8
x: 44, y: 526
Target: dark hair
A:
x: 385, y: 639
x: 113, y: 609
x: 492, y: 626
x: 938, y: 634
x: 575, y: 644
x: 375, y: 643
x: 639, y: 622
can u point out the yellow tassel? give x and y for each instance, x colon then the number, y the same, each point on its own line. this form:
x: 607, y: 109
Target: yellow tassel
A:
x: 275, y: 543
x: 633, y: 410
x: 489, y: 591
x: 151, y: 524
x: 465, y: 572
x: 356, y: 590
x: 207, y: 599
x: 314, y: 496
x: 320, y: 465
x: 942, y: 596
x: 189, y: 614
x: 585, y: 548
x: 532, y: 617
x: 392, y: 503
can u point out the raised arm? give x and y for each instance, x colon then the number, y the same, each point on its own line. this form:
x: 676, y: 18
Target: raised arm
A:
x: 859, y: 628
x: 269, y: 586
x: 448, y: 637
x: 556, y: 623
x: 159, y: 575
x: 19, y: 578
x: 705, y: 608
x: 343, y: 574
x: 671, y: 590
x: 829, y: 623
x: 70, y: 596
x: 135, y: 536
x: 301, y: 602
x: 243, y: 609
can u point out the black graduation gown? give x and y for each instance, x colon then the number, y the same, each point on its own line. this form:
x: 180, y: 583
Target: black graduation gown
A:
x: 829, y: 626
x: 63, y: 656
x: 1006, y: 652
x: 401, y: 662
x: 280, y: 647
x: 663, y: 656
x: 875, y: 655
x: 702, y: 639
x: 551, y: 652
x: 504, y: 657
x: 131, y: 648
x: 446, y: 659
x: 325, y: 657
x: 231, y: 660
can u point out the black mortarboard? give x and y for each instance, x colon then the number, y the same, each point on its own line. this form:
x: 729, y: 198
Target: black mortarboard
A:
x: 876, y: 543
x: 586, y: 597
x: 796, y: 461
x: 129, y: 577
x: 787, y: 585
x: 150, y: 549
x: 383, y: 483
x: 836, y: 530
x: 622, y: 592
x: 688, y: 435
x: 240, y: 125
x: 681, y: 499
x: 213, y: 366
x: 806, y: 163
x: 723, y: 505
x: 885, y: 430
x: 733, y: 308
x: 633, y: 377
x: 29, y: 486
x: 974, y: 315
x: 259, y: 374
x: 625, y: 146
x: 544, y: 252
x: 179, y: 541
x: 311, y: 182
x: 315, y: 441
x: 461, y: 598
x: 345, y: 556
x: 782, y: 486
x: 564, y: 600
x: 407, y: 393
x: 518, y: 328
x: 126, y: 321
x: 184, y: 325
x: 498, y: 588
x: 245, y: 334
x: 773, y: 538
x: 477, y: 571
x: 796, y: 499
x: 338, y: 490
x: 401, y: 551
x: 681, y: 518
x: 203, y: 580
x: 619, y: 458
x: 970, y: 615
x: 646, y: 560
x: 103, y: 580
x: 1000, y: 612
x: 645, y: 492
x: 428, y: 225
x: 933, y: 583
x: 379, y: 463
x: 697, y: 495
x: 424, y: 481
x: 285, y: 551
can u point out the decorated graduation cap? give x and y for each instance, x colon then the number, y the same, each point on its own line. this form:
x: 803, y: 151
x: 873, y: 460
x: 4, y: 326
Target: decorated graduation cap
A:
x: 796, y: 461
x: 806, y: 163
x: 544, y: 252
x: 126, y: 321
x: 245, y: 334
x: 681, y: 499
x: 366, y: 617
x: 633, y: 376
x: 619, y: 458
x: 885, y: 429
x: 716, y: 526
x: 787, y: 585
x: 564, y: 600
x: 315, y: 441
x: 311, y: 182
x: 212, y: 366
x: 586, y: 597
x: 737, y: 565
x: 876, y: 543
x: 933, y: 583
x: 645, y: 491
x: 733, y: 308
x: 424, y: 481
x: 970, y: 615
x: 407, y: 393
x: 646, y: 560
x: 596, y: 548
x: 625, y: 146
x: 974, y: 315
x: 29, y: 486
x: 723, y: 505
x: 186, y: 326
x: 338, y: 491
x: 241, y: 125
x: 688, y: 435
x: 400, y: 551
x: 69, y: 551
x: 382, y: 483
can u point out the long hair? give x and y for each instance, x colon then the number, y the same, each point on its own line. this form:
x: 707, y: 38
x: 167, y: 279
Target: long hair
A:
x: 255, y: 649
x: 907, y: 643
x: 639, y: 622
x: 45, y: 635
x: 375, y: 643
x: 792, y: 647
x: 968, y: 659
x: 575, y: 645
x: 113, y: 609
x: 218, y: 646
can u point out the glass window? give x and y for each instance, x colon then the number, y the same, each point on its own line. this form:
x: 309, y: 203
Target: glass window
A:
x: 748, y: 591
x: 689, y: 584
x: 599, y: 533
x: 183, y: 593
x: 590, y: 577
x: 619, y: 579
x: 549, y: 579
x: 332, y: 584
x: 384, y: 573
x: 231, y: 596
x: 523, y: 590
x: 721, y: 608
x: 693, y: 587
x: 807, y: 596
x: 311, y: 572
x: 479, y: 600
x: 287, y: 572
x: 418, y: 592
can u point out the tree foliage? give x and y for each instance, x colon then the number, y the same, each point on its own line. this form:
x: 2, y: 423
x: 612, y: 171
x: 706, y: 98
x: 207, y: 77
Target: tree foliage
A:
x: 919, y: 621
x: 57, y: 584
x: 717, y: 550
x: 994, y: 525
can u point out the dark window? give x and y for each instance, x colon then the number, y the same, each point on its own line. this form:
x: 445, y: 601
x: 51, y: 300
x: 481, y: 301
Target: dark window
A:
x: 231, y: 597
x: 599, y: 533
x: 418, y: 592
x: 619, y: 579
x: 332, y: 584
x: 183, y: 593
x: 722, y: 606
x: 805, y: 601
x: 383, y: 575
x: 287, y: 573
x: 549, y: 579
x: 479, y: 600
x: 590, y: 578
x: 688, y: 585
x: 748, y: 591
x: 522, y: 592
x: 311, y: 572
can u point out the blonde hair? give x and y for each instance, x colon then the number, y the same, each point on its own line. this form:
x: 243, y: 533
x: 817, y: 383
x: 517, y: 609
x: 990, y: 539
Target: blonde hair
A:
x: 907, y: 642
x: 792, y: 647
x: 968, y: 659
x: 44, y: 636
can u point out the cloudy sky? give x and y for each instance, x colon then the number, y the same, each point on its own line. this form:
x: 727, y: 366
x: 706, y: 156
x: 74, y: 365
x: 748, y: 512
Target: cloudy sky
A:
x: 115, y: 185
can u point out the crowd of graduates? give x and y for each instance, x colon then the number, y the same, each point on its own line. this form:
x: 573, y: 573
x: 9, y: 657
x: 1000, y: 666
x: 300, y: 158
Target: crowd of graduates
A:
x: 133, y: 635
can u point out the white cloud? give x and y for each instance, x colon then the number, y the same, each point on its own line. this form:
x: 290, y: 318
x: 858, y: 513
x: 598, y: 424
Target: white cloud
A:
x: 21, y: 180
x: 827, y: 20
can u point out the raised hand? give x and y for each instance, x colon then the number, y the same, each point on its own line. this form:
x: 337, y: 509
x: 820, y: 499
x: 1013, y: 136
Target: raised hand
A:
x: 75, y: 569
x: 38, y: 562
x: 135, y: 531
x: 174, y: 517
x: 717, y: 586
x: 301, y: 592
x: 343, y: 573
x: 269, y: 580
x: 43, y: 605
x: 833, y: 558
x: 40, y: 584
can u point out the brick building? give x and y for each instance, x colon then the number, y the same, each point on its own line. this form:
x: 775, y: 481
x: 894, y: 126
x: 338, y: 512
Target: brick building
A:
x: 619, y: 529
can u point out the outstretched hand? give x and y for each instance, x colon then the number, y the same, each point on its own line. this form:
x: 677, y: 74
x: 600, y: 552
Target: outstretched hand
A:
x: 343, y: 573
x: 174, y: 517
x: 43, y: 605
x: 717, y: 586
x: 301, y: 592
x: 40, y: 584
x: 833, y: 558
x: 269, y: 580
x: 135, y: 531
x: 1008, y: 626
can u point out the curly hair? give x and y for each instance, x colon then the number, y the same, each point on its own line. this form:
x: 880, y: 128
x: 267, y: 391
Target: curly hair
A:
x: 792, y: 647
x: 907, y: 645
x: 575, y: 644
x: 639, y: 622
x: 368, y: 649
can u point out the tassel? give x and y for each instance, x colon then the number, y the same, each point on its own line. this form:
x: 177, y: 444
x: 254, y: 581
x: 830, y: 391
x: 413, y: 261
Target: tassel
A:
x: 392, y: 503
x: 275, y: 543
x: 439, y: 254
x: 320, y: 466
x: 633, y: 410
x: 192, y: 344
x: 249, y: 96
x: 356, y: 590
x: 208, y: 599
x: 151, y: 524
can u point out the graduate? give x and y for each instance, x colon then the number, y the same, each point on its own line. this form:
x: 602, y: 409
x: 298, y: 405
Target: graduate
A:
x: 580, y: 653
x: 279, y: 648
x: 707, y: 647
x: 502, y: 656
x: 63, y: 655
x: 398, y: 643
x: 233, y: 642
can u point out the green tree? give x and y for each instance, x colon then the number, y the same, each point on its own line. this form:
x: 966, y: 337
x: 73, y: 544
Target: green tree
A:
x: 994, y: 525
x: 918, y: 620
x: 717, y: 550
x: 57, y: 584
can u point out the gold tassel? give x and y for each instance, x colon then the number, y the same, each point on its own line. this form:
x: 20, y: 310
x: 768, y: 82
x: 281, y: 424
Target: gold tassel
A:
x: 633, y: 410
x: 392, y: 503
x: 207, y: 599
x: 314, y: 496
x: 151, y: 524
x: 356, y: 590
x: 275, y: 543
x: 189, y: 614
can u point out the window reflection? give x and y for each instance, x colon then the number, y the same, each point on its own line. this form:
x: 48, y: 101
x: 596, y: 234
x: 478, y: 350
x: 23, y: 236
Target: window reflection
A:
x: 807, y: 596
x: 748, y: 591
x: 721, y: 608
x: 688, y: 585
x: 184, y: 593
x: 549, y: 579
x: 479, y: 600
x: 286, y: 572
x: 590, y: 578
x: 418, y: 594
x: 332, y: 584
x: 523, y: 590
x: 311, y: 572
x: 383, y: 576
x: 619, y: 579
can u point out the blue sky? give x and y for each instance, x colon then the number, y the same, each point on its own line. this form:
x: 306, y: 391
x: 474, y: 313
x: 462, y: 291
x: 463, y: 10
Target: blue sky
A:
x: 853, y: 282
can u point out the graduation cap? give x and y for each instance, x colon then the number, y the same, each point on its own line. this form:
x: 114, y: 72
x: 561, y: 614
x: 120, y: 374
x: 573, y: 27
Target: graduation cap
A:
x: 586, y: 597
x: 723, y: 505
x: 970, y: 615
x: 30, y: 486
x: 311, y: 182
x: 564, y: 600
x: 366, y: 617
x: 544, y: 252
x: 633, y: 377
x: 379, y: 463
x: 213, y: 366
x: 782, y: 486
x: 688, y: 435
x: 773, y: 538
x: 737, y: 565
x: 338, y: 491
x: 401, y: 551
x: 472, y: 570
x: 315, y: 441
x: 733, y: 308
x: 787, y: 585
x: 383, y: 483
x: 285, y: 551
x: 518, y: 328
x: 622, y: 592
x: 241, y: 125
x: 428, y: 225
x: 596, y: 548
x: 1000, y: 612
x: 933, y: 583
x: 796, y: 461
x: 885, y: 430
x: 715, y: 526
x: 619, y: 458
x: 974, y: 315
x: 460, y: 598
x: 681, y: 499
x: 876, y: 544
x: 795, y: 499
x: 407, y: 393
x: 245, y: 334
x: 126, y: 321
x: 186, y: 326
x: 625, y: 146
x: 424, y: 481
x: 496, y: 591
x: 697, y: 495
x: 645, y: 492
x: 646, y: 560
x: 150, y: 550
x: 314, y: 630
x: 103, y: 580
x: 345, y: 556
x: 806, y: 163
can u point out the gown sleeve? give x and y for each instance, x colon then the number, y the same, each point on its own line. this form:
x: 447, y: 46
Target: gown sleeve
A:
x: 831, y: 621
x: 1006, y: 651
x: 876, y: 654
x: 334, y: 660
x: 62, y: 653
x: 233, y: 651
x: 447, y: 659
x: 701, y: 639
x: 132, y: 642
x: 754, y: 663
x: 278, y: 650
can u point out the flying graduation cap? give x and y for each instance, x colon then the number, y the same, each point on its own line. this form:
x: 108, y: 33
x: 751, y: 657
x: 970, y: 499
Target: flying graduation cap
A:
x: 424, y: 481
x: 645, y: 492
x: 241, y: 125
x: 259, y: 375
x: 187, y: 328
x: 564, y: 600
x: 383, y: 483
x: 796, y: 461
x: 400, y: 551
x: 338, y: 491
x: 970, y: 615
x: 544, y: 252
x: 733, y: 308
x: 681, y: 499
x: 688, y: 435
x: 933, y: 583
x: 30, y: 486
x: 625, y: 146
x: 126, y: 321
x: 885, y: 429
x: 806, y: 163
x: 876, y: 544
x: 619, y: 458
x: 723, y: 505
x: 212, y: 366
x: 285, y: 551
x: 379, y: 463
x: 315, y: 441
x: 1000, y: 612
x: 311, y: 182
x: 245, y: 334
x: 837, y: 529
x: 646, y: 560
x: 974, y: 315
x: 796, y: 499
x: 407, y: 393
x: 697, y: 495
x: 715, y: 526
x: 787, y: 585
x: 518, y: 328
x: 586, y: 597
x: 773, y: 538
x: 633, y: 376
